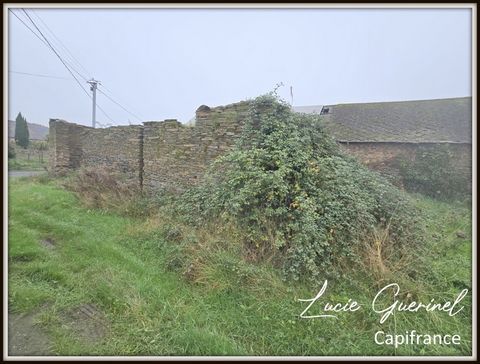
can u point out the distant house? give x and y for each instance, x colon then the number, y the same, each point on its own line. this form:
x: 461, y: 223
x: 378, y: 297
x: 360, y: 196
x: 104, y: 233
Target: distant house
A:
x: 377, y: 133
x: 35, y: 131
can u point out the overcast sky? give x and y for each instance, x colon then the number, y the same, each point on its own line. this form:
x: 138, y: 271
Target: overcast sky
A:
x: 164, y: 63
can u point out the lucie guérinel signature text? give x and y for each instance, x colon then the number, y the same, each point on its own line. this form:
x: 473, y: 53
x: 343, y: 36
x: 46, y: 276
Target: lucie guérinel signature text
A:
x: 390, y: 294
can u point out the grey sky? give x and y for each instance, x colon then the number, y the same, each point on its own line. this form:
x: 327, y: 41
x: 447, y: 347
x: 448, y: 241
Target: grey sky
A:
x: 164, y: 63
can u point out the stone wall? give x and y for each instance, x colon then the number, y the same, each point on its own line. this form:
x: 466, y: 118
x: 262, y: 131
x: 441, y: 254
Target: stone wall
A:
x: 382, y: 156
x: 158, y: 155
x: 176, y: 155
x: 168, y: 155
x: 65, y: 146
x: 117, y: 148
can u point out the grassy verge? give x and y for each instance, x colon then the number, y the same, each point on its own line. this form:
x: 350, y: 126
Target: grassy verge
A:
x: 132, y: 269
x: 23, y: 164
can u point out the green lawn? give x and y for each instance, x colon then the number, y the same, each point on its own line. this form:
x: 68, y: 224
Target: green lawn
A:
x: 126, y: 268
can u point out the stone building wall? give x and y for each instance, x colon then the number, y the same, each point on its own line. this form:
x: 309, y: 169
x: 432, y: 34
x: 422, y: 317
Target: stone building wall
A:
x: 382, y: 157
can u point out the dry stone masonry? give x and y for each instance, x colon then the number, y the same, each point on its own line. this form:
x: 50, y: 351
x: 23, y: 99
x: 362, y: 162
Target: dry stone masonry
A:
x: 117, y: 148
x: 169, y: 155
x: 157, y: 155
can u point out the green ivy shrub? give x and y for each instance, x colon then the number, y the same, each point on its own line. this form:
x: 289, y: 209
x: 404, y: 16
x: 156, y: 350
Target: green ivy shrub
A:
x: 433, y: 172
x: 291, y: 189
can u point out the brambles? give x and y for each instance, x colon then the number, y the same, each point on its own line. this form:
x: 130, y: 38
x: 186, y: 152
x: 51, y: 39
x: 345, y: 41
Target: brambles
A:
x: 433, y: 173
x: 293, y: 193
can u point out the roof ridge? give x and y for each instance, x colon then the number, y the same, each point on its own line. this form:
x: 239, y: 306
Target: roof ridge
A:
x: 387, y: 102
x: 401, y: 101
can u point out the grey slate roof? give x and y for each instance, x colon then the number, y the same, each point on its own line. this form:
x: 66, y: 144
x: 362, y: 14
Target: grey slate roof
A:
x: 422, y: 121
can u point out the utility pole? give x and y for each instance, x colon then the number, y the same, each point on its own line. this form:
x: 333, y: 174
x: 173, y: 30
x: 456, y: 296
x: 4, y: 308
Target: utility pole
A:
x: 93, y: 87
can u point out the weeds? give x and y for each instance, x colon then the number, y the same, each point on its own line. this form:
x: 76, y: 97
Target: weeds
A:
x: 102, y: 188
x: 197, y: 293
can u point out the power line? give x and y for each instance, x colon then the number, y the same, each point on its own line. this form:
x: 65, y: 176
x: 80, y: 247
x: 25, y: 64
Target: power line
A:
x: 54, y: 51
x: 113, y: 95
x: 45, y: 40
x: 39, y: 75
x: 68, y: 65
x: 104, y: 113
x: 26, y: 25
x: 115, y: 102
x: 41, y: 39
x: 64, y: 62
x: 78, y: 62
x: 61, y: 43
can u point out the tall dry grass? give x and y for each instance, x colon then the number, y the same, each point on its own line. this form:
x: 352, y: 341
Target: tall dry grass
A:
x: 102, y: 188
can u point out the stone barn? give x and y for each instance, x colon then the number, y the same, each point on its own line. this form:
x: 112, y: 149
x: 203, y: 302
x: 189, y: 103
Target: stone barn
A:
x: 379, y: 133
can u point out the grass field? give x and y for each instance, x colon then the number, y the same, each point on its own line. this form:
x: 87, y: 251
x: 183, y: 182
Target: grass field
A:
x: 64, y: 258
x: 26, y: 165
x: 28, y: 160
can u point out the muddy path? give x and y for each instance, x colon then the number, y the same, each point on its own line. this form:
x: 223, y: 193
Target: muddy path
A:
x: 26, y: 337
x: 86, y: 323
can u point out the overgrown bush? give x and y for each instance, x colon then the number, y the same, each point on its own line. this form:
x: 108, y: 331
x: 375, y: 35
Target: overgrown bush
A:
x: 433, y: 173
x: 292, y: 191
